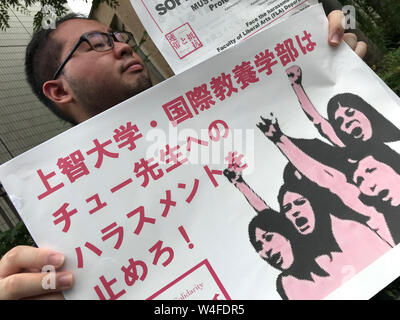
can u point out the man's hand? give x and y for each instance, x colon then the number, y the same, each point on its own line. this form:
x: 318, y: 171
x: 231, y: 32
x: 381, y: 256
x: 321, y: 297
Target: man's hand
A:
x: 21, y: 276
x: 336, y: 34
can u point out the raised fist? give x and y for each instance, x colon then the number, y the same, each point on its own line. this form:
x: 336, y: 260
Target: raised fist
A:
x: 233, y: 174
x: 294, y: 74
x: 270, y: 128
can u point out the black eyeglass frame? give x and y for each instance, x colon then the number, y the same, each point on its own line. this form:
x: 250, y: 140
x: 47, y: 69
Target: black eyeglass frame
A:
x: 111, y: 38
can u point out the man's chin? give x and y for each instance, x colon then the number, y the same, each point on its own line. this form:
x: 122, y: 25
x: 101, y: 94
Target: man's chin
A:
x: 141, y: 84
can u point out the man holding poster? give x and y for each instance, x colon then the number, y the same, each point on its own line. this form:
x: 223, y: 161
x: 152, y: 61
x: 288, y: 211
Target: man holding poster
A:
x: 96, y: 70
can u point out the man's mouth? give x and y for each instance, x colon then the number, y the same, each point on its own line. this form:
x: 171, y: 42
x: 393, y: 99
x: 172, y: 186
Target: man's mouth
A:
x: 133, y: 66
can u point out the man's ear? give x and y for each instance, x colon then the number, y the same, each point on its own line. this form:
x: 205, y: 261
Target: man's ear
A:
x: 57, y: 91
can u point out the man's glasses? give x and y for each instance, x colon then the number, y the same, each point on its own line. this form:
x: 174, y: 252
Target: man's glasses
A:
x: 99, y: 41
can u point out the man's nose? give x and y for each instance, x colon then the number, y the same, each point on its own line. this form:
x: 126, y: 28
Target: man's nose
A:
x: 121, y: 49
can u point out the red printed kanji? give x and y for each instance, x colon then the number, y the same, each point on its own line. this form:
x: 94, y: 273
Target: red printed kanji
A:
x: 222, y: 86
x: 235, y: 161
x: 245, y: 74
x: 265, y: 61
x: 175, y: 44
x: 65, y: 216
x: 171, y: 37
x: 177, y: 110
x: 307, y: 38
x: 127, y: 135
x: 142, y: 168
x: 193, y: 192
x: 214, y: 126
x: 73, y: 166
x: 45, y: 179
x: 131, y: 271
x: 79, y: 255
x: 200, y: 98
x: 99, y: 204
x: 198, y: 141
x: 142, y: 219
x: 211, y: 174
x: 168, y: 203
x: 107, y: 285
x: 194, y: 40
x: 171, y: 155
x: 112, y: 230
x: 101, y: 152
x: 183, y: 40
x: 160, y: 251
x: 173, y: 40
x: 286, y: 52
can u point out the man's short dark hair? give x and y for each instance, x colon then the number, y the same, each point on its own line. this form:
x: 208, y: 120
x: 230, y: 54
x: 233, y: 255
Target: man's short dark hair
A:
x: 42, y: 60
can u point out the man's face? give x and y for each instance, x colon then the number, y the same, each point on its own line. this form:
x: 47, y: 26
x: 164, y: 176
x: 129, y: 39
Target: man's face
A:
x: 299, y: 211
x: 99, y: 80
x: 275, y: 248
x: 354, y: 123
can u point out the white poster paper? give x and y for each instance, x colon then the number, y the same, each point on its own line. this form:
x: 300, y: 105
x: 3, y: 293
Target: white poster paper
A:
x: 190, y: 31
x: 266, y: 172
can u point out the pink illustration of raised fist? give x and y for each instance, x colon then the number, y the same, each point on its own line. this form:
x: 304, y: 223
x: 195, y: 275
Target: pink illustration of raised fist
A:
x: 270, y: 128
x: 234, y: 174
x: 294, y: 74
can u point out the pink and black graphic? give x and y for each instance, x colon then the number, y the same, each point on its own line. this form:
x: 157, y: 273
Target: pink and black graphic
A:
x: 359, y: 133
x: 350, y: 118
x: 328, y: 178
x: 183, y: 40
x: 338, y: 203
x: 305, y: 239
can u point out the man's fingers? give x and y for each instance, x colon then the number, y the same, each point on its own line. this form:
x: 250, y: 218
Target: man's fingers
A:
x: 336, y: 29
x: 336, y: 34
x: 361, y: 49
x: 24, y: 285
x: 351, y: 40
x: 23, y: 257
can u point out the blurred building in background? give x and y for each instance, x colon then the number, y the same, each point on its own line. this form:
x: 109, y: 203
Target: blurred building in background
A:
x: 24, y: 121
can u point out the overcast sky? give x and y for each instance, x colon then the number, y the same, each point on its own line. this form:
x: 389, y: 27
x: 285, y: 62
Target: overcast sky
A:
x: 80, y: 6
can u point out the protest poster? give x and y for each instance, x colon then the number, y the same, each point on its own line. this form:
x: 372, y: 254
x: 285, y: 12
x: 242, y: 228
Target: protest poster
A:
x: 232, y: 180
x: 190, y: 31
